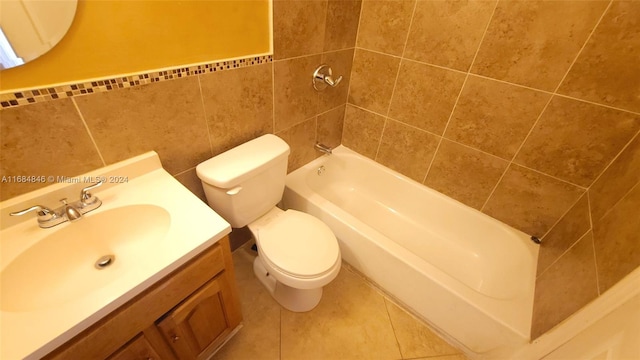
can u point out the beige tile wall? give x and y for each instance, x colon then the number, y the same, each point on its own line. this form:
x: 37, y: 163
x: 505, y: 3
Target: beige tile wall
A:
x: 306, y: 35
x: 191, y: 119
x: 528, y: 111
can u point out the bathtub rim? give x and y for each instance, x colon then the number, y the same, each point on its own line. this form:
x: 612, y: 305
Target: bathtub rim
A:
x: 446, y: 209
x: 459, y: 289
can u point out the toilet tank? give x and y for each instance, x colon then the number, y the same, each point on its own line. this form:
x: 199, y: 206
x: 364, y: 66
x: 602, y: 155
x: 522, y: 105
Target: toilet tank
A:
x: 247, y: 181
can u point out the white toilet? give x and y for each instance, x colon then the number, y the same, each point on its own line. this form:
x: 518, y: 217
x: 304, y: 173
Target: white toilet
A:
x: 297, y: 253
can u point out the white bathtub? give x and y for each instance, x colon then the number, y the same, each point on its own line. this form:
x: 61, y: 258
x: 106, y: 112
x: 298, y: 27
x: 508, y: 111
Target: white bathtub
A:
x: 469, y: 275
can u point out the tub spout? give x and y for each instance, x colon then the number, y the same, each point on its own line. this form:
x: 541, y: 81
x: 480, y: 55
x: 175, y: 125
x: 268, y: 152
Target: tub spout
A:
x: 323, y: 148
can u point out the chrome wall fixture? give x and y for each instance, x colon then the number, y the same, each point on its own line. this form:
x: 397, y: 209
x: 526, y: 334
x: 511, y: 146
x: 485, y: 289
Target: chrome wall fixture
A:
x: 323, y: 77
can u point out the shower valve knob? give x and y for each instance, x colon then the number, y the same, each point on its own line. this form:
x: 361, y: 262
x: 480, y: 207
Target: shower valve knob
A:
x: 323, y: 77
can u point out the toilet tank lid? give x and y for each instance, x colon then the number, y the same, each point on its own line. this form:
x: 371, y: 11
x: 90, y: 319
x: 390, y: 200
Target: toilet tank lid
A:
x: 234, y: 166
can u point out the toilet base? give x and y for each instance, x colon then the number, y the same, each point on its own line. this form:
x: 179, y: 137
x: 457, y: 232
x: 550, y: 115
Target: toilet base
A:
x: 296, y: 300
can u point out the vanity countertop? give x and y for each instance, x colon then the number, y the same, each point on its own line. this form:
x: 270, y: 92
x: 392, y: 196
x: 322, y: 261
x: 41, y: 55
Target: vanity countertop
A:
x: 35, y: 330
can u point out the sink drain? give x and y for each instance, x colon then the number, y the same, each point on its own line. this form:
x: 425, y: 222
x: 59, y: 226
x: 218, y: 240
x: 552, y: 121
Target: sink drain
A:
x: 105, y: 261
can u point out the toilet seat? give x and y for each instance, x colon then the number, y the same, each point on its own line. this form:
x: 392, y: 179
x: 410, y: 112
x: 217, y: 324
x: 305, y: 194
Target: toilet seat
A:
x: 297, y: 244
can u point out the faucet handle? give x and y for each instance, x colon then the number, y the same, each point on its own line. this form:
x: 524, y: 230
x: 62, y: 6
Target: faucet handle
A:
x: 323, y: 77
x: 44, y: 213
x: 86, y: 197
x: 333, y: 83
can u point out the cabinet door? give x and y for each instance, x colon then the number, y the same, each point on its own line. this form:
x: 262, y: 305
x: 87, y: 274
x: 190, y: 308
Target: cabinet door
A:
x: 196, y: 327
x: 138, y: 349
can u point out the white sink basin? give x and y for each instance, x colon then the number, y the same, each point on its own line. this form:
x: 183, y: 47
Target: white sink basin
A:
x: 61, y: 266
x: 50, y: 289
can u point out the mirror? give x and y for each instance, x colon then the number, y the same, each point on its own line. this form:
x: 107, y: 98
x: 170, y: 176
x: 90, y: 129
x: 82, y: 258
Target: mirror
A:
x: 30, y: 28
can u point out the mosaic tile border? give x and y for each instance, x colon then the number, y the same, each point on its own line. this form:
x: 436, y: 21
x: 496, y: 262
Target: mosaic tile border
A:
x: 15, y: 99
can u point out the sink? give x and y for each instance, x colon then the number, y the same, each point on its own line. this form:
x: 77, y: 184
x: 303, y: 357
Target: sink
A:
x: 50, y: 288
x: 61, y: 265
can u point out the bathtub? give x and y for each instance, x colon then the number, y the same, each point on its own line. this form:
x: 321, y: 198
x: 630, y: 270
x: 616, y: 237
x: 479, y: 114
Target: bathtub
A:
x: 465, y: 273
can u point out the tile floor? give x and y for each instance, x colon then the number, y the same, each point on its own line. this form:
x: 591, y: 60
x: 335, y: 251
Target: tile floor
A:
x: 352, y: 321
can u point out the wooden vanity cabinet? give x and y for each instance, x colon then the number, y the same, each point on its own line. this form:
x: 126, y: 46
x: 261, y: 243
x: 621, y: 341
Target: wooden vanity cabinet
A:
x: 187, y: 315
x: 198, y: 325
x: 138, y: 348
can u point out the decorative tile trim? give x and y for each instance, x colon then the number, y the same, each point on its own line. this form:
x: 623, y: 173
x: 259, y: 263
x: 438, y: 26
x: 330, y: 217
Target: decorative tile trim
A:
x: 15, y: 99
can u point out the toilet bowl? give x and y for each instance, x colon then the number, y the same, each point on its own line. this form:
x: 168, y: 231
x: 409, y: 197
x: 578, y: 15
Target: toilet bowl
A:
x: 297, y: 253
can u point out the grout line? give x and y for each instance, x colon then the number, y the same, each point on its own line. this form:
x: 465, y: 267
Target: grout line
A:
x: 469, y: 147
x: 298, y: 123
x: 379, y: 52
x: 86, y: 127
x: 393, y: 328
x: 406, y: 39
x: 395, y: 83
x: 563, y: 254
x: 183, y: 171
x: 510, y: 83
x: 384, y: 127
x: 433, y: 159
x: 455, y: 104
x: 344, y: 117
x: 563, y: 216
x: 545, y: 109
x: 551, y: 176
x: 330, y: 110
x: 393, y: 300
x: 589, y: 208
x: 583, y: 46
x: 315, y: 128
x: 204, y: 111
x: 419, y: 129
x: 503, y: 81
x: 404, y: 48
x: 595, y: 264
x: 367, y: 110
x: 478, y: 150
x: 619, y: 200
x: 484, y: 34
x: 544, y: 91
x: 355, y: 43
x: 597, y: 104
x: 633, y: 138
x: 469, y: 72
x: 273, y: 97
x: 441, y: 136
x: 516, y: 153
x: 310, y: 55
x: 495, y: 187
x: 536, y: 171
x: 436, y: 66
x: 593, y: 243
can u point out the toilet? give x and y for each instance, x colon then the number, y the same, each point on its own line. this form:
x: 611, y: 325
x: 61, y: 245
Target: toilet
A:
x: 297, y: 253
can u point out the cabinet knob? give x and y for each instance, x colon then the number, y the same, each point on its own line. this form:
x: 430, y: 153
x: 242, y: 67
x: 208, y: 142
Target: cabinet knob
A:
x: 175, y: 338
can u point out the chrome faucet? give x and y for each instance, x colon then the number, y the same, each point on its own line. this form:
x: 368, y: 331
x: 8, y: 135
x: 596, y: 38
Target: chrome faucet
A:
x: 70, y: 211
x: 323, y: 148
x: 67, y: 212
